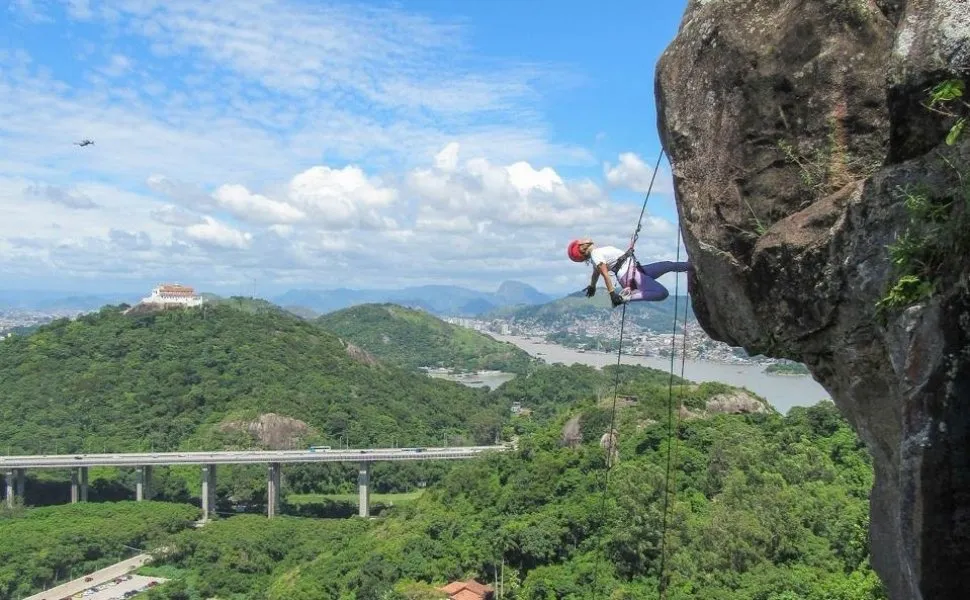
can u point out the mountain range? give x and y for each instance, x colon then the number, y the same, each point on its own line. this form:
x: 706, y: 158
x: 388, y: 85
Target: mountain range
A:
x: 443, y: 300
x: 446, y: 300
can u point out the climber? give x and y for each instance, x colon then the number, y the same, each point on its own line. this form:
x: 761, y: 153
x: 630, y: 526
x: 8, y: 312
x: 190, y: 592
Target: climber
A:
x: 638, y: 282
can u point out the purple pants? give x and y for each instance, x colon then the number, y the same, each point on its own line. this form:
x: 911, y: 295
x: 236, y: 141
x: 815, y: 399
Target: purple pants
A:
x: 642, y: 281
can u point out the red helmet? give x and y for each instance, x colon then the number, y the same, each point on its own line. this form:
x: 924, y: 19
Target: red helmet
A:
x: 574, y: 252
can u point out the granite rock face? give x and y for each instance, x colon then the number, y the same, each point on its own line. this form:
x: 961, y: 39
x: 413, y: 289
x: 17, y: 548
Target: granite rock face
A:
x: 795, y: 131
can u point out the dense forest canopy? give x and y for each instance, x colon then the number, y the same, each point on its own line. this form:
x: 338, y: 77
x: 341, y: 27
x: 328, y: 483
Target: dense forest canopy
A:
x: 166, y: 380
x: 417, y: 339
x: 763, y: 506
x: 40, y: 547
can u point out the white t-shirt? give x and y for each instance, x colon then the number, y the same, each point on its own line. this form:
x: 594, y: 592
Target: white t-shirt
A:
x: 609, y: 255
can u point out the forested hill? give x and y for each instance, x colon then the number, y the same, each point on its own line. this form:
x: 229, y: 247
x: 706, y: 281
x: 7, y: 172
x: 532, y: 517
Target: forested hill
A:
x: 574, y: 308
x: 173, y: 379
x: 415, y: 339
x: 766, y: 507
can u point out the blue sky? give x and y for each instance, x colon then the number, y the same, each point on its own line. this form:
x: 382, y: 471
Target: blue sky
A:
x: 313, y: 145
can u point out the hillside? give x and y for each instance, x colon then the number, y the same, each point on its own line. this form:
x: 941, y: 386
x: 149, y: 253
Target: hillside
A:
x: 445, y: 300
x: 558, y: 314
x: 766, y: 506
x: 167, y: 380
x: 415, y: 339
x: 43, y: 547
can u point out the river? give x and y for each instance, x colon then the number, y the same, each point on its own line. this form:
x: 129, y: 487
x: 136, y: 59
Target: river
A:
x: 782, y: 391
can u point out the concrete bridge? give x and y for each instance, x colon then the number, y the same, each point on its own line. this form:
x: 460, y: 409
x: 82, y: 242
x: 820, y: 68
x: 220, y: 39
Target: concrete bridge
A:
x: 15, y: 467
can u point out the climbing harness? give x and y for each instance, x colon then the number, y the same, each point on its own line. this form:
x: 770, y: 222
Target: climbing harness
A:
x: 621, y: 260
x: 613, y: 438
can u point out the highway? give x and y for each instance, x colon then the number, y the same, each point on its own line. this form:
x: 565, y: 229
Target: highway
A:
x: 77, y: 586
x: 62, y: 461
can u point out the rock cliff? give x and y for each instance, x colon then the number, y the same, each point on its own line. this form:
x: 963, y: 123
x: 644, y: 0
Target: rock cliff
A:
x: 829, y: 223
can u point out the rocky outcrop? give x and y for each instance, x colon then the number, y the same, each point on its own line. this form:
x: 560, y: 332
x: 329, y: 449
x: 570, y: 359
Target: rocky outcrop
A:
x: 795, y: 131
x: 738, y: 402
x: 272, y: 431
x: 609, y: 442
x: 359, y: 354
x: 572, y: 435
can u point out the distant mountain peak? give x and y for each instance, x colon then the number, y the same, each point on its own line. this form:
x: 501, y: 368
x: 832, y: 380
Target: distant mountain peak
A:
x: 442, y: 300
x: 515, y: 293
x: 512, y: 284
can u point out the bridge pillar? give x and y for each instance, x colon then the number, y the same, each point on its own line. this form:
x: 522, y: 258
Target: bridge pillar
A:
x: 273, y: 490
x: 208, y: 491
x: 16, y: 479
x: 143, y: 482
x: 20, y: 481
x: 79, y: 485
x: 363, y: 485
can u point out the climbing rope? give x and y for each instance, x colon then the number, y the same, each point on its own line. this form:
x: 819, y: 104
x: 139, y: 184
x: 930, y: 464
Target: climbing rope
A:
x: 636, y: 234
x: 613, y: 441
x: 670, y: 476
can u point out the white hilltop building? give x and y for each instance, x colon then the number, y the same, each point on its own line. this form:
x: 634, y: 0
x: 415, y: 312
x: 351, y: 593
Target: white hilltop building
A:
x: 173, y: 294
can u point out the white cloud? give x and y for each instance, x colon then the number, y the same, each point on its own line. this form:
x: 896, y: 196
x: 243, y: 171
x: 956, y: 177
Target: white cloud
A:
x: 214, y: 233
x: 254, y: 207
x: 514, y: 195
x: 80, y: 9
x: 341, y: 198
x: 29, y: 10
x: 447, y: 160
x: 58, y: 195
x: 118, y: 65
x: 275, y: 101
x: 129, y: 240
x: 173, y: 215
x: 180, y: 192
x: 634, y: 174
x: 365, y: 145
x: 461, y: 220
x: 284, y: 231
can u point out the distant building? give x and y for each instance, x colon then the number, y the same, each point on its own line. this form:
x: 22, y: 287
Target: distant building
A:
x: 173, y: 294
x: 468, y: 590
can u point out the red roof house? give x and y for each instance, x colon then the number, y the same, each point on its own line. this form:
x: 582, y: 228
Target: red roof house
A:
x: 468, y: 590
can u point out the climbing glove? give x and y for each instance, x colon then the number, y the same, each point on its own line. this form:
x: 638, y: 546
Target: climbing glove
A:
x: 590, y: 291
x: 616, y: 298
